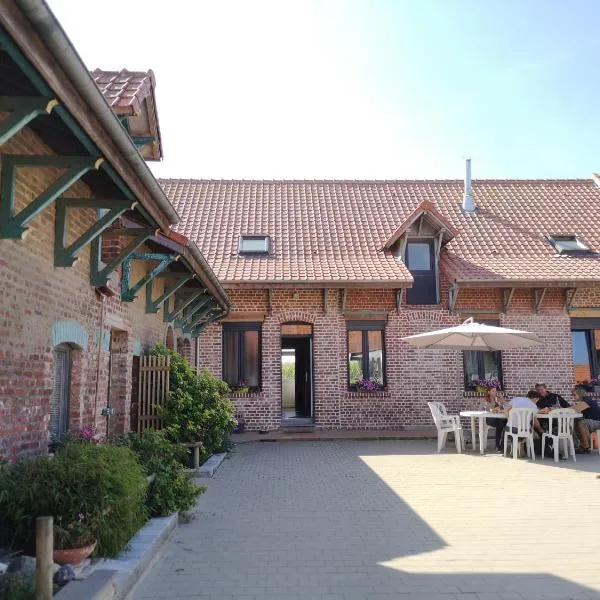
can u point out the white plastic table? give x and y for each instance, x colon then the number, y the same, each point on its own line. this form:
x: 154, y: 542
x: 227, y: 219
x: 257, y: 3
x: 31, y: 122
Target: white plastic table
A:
x: 481, y: 416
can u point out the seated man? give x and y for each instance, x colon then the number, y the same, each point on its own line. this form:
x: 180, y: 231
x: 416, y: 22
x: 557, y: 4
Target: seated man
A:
x: 590, y: 422
x: 548, y: 400
x: 522, y: 402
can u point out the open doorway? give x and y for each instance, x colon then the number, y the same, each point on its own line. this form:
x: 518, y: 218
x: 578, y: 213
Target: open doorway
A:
x: 296, y: 373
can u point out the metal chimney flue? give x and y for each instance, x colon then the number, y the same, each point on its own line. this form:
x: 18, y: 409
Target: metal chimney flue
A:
x: 468, y: 204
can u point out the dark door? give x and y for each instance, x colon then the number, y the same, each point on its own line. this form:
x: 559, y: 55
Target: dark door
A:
x: 420, y: 260
x: 297, y: 351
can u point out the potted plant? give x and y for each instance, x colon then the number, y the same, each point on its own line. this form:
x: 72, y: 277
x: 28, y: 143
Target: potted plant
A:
x: 241, y: 387
x: 74, y: 539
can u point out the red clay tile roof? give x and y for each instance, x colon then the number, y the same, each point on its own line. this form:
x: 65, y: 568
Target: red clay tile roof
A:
x: 124, y: 90
x: 335, y: 230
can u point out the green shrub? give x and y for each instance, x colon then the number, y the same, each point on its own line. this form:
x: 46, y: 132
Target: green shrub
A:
x: 103, y: 482
x: 196, y: 409
x: 172, y: 489
x: 17, y: 586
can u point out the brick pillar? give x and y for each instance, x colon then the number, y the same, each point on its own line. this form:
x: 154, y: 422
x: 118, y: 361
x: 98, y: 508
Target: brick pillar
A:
x: 121, y: 352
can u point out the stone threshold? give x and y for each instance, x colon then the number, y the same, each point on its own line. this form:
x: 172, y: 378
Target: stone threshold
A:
x: 279, y: 435
x: 116, y: 577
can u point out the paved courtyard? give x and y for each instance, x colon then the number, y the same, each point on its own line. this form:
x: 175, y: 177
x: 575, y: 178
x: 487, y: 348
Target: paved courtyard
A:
x: 354, y: 520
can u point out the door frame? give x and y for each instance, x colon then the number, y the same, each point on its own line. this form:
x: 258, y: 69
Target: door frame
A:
x: 311, y: 372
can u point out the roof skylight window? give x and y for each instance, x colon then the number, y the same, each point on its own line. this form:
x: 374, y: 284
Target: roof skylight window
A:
x: 568, y: 244
x: 254, y: 244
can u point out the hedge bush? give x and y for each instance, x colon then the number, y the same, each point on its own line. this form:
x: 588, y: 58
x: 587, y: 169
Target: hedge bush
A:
x: 172, y: 489
x: 105, y: 483
x: 197, y: 409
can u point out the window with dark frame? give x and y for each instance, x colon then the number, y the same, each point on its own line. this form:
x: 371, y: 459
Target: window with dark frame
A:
x: 366, y: 352
x: 420, y: 261
x: 242, y: 350
x: 254, y: 244
x: 585, y: 338
x: 479, y: 365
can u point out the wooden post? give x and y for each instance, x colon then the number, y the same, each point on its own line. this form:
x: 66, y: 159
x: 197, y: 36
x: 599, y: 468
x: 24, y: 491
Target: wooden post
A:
x: 44, y: 545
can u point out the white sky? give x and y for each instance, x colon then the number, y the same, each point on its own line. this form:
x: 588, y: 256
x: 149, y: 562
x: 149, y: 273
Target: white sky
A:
x: 350, y: 88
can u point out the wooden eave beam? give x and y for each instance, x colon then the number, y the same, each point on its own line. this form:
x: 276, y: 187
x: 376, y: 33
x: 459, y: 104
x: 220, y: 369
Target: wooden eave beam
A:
x: 129, y: 291
x: 65, y: 255
x: 204, y: 324
x: 570, y: 294
x: 538, y: 299
x: 99, y: 272
x: 507, y: 297
x: 453, y: 292
x: 152, y: 306
x: 189, y: 326
x: 14, y: 225
x: 170, y: 316
x: 23, y: 110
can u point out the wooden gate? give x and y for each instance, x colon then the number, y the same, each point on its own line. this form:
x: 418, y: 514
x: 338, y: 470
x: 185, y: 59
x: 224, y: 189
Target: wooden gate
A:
x: 152, y: 391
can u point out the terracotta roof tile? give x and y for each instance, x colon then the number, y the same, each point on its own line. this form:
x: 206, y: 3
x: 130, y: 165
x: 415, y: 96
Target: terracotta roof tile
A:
x: 124, y: 90
x: 335, y: 230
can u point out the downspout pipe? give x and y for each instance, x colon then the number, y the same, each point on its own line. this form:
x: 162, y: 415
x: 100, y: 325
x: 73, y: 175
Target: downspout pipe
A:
x: 55, y: 39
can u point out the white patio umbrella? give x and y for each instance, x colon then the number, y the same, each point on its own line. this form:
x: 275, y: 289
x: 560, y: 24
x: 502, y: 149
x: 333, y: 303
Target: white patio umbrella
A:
x: 474, y: 336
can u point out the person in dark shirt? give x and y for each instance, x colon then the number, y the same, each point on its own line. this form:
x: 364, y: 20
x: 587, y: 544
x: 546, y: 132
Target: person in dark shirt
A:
x: 548, y: 400
x: 590, y: 422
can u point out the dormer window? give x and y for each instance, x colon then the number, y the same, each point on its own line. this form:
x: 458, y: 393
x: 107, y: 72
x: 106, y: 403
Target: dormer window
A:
x: 567, y: 244
x: 254, y: 244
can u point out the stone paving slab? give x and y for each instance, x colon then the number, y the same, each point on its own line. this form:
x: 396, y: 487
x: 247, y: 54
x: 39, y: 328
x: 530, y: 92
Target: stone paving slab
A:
x: 357, y: 520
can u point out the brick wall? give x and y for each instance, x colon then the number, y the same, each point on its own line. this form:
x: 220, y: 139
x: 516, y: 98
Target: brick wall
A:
x: 34, y: 296
x: 414, y: 376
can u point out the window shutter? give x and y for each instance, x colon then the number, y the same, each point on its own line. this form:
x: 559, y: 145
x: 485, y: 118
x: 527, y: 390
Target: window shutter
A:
x: 59, y: 408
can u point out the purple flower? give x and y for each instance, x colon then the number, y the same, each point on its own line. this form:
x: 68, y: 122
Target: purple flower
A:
x: 87, y: 433
x: 490, y: 384
x: 80, y: 516
x: 368, y: 385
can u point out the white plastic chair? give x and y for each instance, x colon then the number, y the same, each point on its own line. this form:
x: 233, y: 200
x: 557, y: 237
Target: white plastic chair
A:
x: 445, y: 424
x: 520, y: 419
x: 564, y: 432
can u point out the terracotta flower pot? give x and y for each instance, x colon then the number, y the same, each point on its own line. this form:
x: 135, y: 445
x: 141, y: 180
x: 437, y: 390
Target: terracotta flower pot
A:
x: 73, y: 556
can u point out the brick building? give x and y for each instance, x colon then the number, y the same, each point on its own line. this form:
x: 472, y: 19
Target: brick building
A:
x: 91, y: 273
x: 328, y: 276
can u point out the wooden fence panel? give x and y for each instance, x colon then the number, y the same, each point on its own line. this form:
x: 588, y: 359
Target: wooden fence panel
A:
x: 153, y: 390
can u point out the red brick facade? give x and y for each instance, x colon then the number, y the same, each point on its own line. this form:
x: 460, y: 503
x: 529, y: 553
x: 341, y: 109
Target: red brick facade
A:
x: 414, y: 377
x: 36, y: 300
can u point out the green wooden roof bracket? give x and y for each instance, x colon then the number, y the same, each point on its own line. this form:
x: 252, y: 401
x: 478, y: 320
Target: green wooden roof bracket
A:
x: 152, y: 306
x: 99, y: 272
x: 23, y: 110
x: 129, y: 291
x: 65, y: 256
x: 170, y: 316
x: 31, y: 73
x: 190, y: 312
x: 14, y: 226
x: 202, y: 326
x: 189, y: 326
x: 142, y: 140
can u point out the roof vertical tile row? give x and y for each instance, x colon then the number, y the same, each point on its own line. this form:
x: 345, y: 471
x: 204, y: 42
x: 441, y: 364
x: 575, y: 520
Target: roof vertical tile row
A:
x: 335, y: 231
